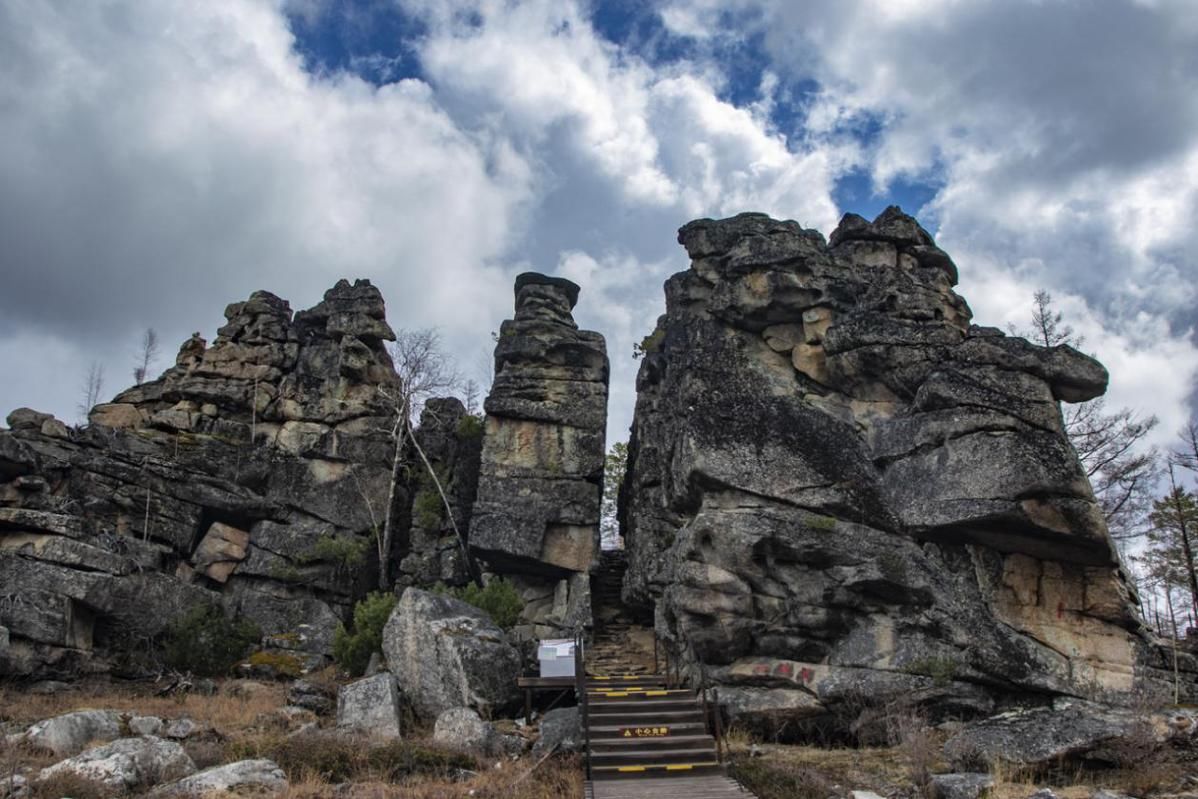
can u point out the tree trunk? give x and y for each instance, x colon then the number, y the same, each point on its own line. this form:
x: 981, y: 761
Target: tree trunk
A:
x: 388, y: 535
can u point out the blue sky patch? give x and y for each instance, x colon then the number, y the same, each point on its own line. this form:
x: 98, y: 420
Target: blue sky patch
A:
x: 854, y: 193
x: 368, y: 38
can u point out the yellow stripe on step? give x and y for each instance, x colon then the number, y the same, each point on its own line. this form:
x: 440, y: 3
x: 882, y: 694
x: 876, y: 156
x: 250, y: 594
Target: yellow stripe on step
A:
x: 657, y: 767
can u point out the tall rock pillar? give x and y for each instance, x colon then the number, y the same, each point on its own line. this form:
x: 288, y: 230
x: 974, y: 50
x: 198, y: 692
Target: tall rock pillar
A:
x: 536, y: 518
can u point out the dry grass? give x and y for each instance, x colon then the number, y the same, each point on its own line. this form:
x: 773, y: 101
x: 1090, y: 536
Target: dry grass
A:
x: 236, y: 705
x: 71, y: 785
x: 809, y: 772
x: 556, y: 778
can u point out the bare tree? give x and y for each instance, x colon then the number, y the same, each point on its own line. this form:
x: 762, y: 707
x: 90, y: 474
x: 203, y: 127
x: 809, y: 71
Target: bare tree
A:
x: 146, y: 355
x: 472, y: 397
x: 92, y: 388
x: 424, y: 371
x: 1186, y: 453
x: 1110, y: 445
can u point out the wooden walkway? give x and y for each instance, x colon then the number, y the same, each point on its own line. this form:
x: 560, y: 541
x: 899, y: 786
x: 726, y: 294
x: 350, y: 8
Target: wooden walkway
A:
x: 711, y: 786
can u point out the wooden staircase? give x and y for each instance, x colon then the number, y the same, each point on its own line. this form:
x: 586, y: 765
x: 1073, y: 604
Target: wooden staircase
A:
x: 636, y: 726
x: 637, y: 723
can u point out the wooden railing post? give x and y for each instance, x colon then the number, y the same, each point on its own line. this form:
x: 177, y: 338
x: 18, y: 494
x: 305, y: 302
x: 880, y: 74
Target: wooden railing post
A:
x: 719, y: 724
x: 580, y: 684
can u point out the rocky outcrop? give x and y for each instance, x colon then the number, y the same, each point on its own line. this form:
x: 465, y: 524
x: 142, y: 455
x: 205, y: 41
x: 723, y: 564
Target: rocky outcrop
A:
x: 451, y: 438
x: 126, y: 764
x: 536, y: 517
x: 839, y: 488
x: 251, y: 474
x: 446, y: 654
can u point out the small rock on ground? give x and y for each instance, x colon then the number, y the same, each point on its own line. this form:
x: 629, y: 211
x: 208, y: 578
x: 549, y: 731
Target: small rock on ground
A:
x: 262, y: 775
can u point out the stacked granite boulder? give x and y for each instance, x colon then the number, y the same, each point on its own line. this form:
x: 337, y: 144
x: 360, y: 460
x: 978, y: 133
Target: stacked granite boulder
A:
x: 536, y: 517
x: 252, y: 474
x: 839, y: 490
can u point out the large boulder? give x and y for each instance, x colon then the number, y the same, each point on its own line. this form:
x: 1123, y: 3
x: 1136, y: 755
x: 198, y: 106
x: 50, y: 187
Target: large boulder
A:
x: 127, y: 764
x: 447, y: 654
x: 370, y: 706
x: 70, y: 733
x: 1070, y: 731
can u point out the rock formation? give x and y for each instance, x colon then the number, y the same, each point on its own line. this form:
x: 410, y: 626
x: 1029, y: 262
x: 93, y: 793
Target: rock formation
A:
x: 536, y: 518
x: 840, y: 490
x: 252, y: 474
x: 451, y: 439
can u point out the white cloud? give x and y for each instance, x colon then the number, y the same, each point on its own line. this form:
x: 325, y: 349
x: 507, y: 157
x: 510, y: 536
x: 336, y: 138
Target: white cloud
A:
x: 1065, y: 141
x: 161, y: 160
x: 158, y: 160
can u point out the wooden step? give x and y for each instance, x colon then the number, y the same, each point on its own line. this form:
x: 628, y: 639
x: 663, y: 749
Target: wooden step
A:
x: 671, y: 741
x: 633, y: 757
x: 642, y: 693
x: 617, y: 681
x: 597, y: 718
x: 639, y: 770
x: 607, y: 731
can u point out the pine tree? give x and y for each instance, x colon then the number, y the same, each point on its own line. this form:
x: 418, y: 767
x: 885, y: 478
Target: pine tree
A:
x: 1121, y: 470
x: 1171, y: 540
x: 614, y: 466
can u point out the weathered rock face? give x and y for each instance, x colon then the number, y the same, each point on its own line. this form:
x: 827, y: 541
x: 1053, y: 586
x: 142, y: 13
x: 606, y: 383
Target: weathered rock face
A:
x: 838, y: 487
x: 537, y: 511
x: 1070, y: 731
x: 451, y: 439
x: 250, y: 474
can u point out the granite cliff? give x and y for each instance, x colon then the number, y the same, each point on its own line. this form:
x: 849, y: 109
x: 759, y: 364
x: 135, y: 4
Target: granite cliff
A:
x: 839, y: 488
x: 250, y: 475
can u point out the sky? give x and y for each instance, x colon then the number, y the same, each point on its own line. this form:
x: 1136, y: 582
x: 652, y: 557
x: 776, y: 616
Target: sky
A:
x: 161, y: 160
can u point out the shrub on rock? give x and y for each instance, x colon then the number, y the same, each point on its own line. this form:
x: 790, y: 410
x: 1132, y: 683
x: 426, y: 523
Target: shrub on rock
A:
x: 352, y: 650
x: 206, y: 642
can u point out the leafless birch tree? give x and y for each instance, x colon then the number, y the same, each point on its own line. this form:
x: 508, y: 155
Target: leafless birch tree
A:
x: 424, y: 371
